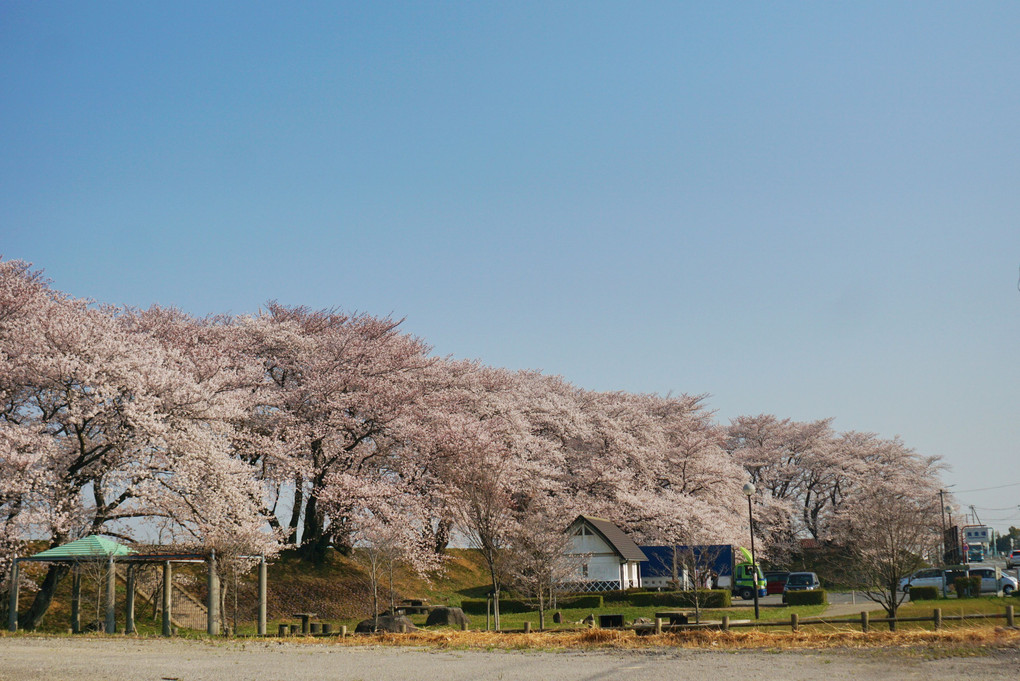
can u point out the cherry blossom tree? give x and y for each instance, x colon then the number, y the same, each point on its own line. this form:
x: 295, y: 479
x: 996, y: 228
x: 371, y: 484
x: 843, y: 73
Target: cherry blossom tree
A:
x: 131, y: 438
x: 340, y: 397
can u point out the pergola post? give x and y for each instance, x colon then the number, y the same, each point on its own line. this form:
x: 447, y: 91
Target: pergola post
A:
x: 12, y: 613
x: 262, y: 596
x: 214, y: 597
x: 129, y: 605
x: 111, y: 596
x: 76, y: 599
x: 167, y: 586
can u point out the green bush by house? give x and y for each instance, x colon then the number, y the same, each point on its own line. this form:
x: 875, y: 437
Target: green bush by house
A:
x: 714, y: 598
x: 816, y: 597
x: 924, y: 593
x: 586, y: 601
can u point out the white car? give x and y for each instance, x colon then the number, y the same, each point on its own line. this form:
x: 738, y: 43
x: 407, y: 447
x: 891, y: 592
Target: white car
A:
x: 927, y: 577
x: 1013, y: 560
x: 1007, y: 584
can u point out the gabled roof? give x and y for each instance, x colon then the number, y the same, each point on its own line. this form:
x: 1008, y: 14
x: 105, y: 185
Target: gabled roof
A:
x: 92, y: 546
x: 614, y: 536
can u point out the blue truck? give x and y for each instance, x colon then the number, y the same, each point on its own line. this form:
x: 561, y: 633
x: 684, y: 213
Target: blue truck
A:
x: 667, y: 565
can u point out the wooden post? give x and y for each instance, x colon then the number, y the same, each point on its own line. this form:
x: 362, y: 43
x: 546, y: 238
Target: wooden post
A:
x: 658, y: 626
x: 262, y: 597
x: 936, y: 617
x: 403, y: 628
x: 76, y: 600
x: 213, y: 601
x: 725, y: 622
x: 129, y: 604
x: 864, y: 621
x: 167, y: 591
x: 343, y: 631
x: 527, y: 627
x: 12, y: 606
x: 794, y: 622
x: 283, y: 630
x: 1009, y: 616
x: 111, y: 596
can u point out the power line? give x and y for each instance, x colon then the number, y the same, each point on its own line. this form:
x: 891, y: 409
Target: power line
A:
x: 985, y: 489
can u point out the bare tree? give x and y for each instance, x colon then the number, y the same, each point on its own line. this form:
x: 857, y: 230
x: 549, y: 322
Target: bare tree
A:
x: 885, y: 536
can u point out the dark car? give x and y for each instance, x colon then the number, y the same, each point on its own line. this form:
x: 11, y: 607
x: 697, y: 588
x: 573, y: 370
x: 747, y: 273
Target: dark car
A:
x: 775, y: 581
x: 801, y: 581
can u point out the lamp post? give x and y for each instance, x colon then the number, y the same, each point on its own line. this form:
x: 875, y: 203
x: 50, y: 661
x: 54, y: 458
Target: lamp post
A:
x: 943, y: 507
x: 749, y: 492
x: 952, y: 554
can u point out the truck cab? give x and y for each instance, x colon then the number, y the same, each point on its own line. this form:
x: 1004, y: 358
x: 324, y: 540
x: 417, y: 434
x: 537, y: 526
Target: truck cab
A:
x: 744, y: 581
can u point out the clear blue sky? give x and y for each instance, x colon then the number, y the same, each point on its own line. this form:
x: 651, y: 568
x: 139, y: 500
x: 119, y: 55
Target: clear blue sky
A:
x: 807, y: 209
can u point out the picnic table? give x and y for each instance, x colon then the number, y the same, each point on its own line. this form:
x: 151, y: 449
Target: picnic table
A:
x: 675, y: 616
x: 305, y: 619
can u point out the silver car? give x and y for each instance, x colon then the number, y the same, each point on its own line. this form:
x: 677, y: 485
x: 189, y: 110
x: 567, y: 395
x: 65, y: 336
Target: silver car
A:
x: 927, y: 577
x: 991, y: 582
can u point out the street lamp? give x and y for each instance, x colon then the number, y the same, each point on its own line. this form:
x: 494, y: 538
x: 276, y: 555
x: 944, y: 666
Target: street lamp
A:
x: 749, y: 492
x: 952, y: 554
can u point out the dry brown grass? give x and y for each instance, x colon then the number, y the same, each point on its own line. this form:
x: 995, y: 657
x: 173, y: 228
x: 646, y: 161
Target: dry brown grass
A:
x: 958, y: 640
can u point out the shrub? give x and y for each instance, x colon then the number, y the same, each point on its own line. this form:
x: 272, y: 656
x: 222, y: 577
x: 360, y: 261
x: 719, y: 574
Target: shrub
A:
x: 587, y: 601
x: 816, y: 597
x: 714, y: 598
x: 967, y: 587
x: 924, y: 593
x: 623, y: 596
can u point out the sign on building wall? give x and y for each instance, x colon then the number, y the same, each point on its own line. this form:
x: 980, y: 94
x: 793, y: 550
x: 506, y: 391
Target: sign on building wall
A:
x: 977, y: 534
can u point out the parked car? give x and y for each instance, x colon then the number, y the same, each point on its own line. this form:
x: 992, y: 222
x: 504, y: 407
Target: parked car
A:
x: 775, y: 581
x: 1013, y: 560
x: 994, y: 581
x: 927, y: 577
x: 801, y: 581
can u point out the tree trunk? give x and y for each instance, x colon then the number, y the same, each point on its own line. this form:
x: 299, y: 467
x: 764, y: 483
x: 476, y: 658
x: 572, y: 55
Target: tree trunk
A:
x: 295, y: 513
x: 442, y: 535
x: 44, y: 596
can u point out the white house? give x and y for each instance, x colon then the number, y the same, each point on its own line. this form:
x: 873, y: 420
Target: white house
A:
x: 610, y: 560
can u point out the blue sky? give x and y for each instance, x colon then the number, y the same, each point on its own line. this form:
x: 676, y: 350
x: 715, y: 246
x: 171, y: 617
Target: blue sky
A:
x: 806, y: 209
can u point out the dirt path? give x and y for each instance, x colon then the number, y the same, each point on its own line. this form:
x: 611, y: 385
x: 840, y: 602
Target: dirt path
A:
x: 95, y: 659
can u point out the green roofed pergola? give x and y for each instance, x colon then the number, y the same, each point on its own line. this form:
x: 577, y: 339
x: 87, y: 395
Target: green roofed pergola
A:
x: 95, y: 549
x: 91, y: 547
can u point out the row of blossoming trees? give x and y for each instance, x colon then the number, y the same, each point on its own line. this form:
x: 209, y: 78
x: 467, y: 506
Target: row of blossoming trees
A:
x: 318, y: 428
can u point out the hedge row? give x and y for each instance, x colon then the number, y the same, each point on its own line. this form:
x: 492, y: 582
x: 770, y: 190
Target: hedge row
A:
x: 707, y: 598
x: 924, y: 593
x: 816, y: 597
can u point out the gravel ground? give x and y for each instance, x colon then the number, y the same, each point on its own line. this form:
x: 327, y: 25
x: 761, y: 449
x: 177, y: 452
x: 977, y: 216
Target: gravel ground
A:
x: 47, y: 659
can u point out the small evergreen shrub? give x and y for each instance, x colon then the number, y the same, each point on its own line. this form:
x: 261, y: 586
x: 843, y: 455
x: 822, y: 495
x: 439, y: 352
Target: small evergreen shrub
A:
x: 586, y: 601
x: 967, y: 587
x: 623, y: 596
x: 816, y: 597
x: 924, y: 593
x: 708, y: 598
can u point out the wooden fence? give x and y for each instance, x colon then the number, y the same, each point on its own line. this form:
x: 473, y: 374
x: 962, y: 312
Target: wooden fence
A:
x: 865, y: 621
